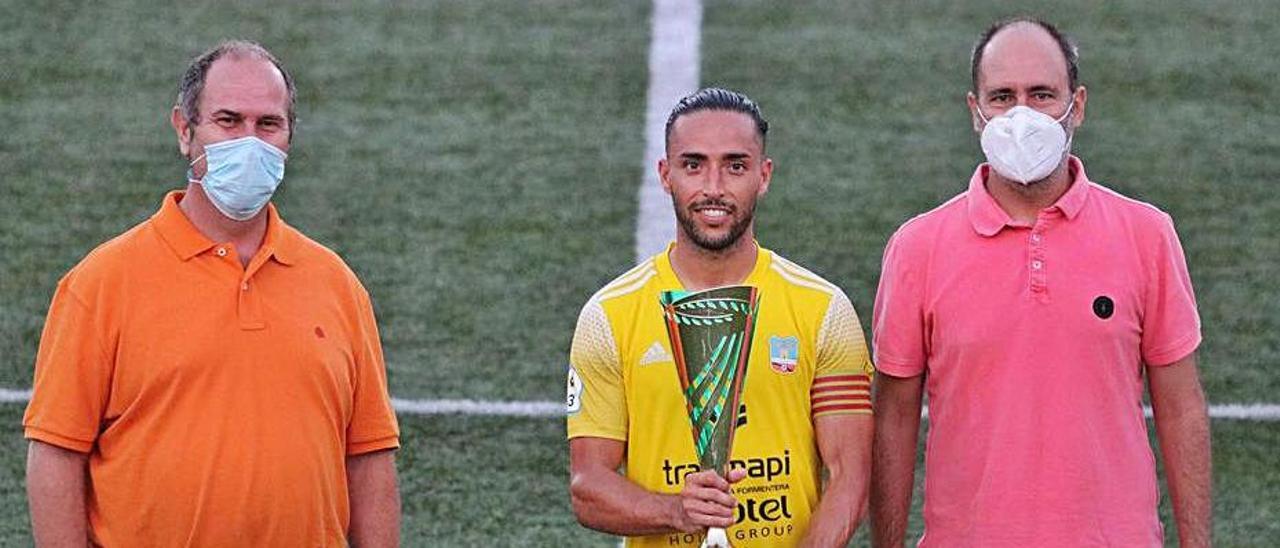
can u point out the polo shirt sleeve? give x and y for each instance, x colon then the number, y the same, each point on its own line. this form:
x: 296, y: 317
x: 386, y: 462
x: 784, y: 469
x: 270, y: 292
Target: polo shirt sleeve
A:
x: 1170, y: 322
x: 72, y: 375
x: 595, y: 400
x: 373, y: 424
x: 842, y: 369
x: 898, y: 322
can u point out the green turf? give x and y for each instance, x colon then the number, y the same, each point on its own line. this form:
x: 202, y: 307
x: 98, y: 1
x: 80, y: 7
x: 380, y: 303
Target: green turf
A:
x: 463, y: 485
x: 869, y: 127
x: 477, y: 162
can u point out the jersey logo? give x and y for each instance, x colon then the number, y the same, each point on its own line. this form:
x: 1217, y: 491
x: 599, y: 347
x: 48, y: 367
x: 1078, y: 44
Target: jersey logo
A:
x: 655, y: 354
x: 784, y: 352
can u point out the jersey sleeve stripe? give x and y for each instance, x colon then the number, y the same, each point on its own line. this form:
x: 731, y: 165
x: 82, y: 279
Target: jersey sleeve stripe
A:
x: 832, y: 379
x: 863, y: 396
x: 837, y: 387
x: 842, y: 408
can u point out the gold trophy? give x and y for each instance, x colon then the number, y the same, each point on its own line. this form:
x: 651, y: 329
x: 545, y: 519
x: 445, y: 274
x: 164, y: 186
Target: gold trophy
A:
x: 710, y: 333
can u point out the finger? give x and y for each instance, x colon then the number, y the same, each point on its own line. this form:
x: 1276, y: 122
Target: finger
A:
x: 736, y: 475
x: 707, y: 478
x: 713, y: 496
x: 702, y: 514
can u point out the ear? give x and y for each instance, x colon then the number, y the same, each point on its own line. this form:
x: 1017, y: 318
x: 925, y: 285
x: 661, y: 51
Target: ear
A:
x: 183, y: 129
x: 766, y: 175
x: 1079, y: 98
x: 664, y: 171
x: 974, y: 117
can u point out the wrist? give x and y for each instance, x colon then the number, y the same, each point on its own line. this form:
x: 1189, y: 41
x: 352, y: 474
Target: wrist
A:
x: 672, y: 512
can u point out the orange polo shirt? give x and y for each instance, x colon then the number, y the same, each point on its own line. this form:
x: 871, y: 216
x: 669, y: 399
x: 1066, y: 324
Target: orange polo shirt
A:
x: 217, y: 403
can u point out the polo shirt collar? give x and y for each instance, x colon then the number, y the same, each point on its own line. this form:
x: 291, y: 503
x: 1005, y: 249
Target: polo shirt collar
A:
x: 989, y: 218
x: 187, y: 241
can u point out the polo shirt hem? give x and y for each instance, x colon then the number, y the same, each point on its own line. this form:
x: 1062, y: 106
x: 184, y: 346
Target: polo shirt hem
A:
x: 360, y: 448
x: 1174, y: 352
x: 39, y: 434
x: 897, y: 368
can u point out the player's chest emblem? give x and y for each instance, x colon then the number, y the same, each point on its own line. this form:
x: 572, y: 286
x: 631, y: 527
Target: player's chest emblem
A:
x: 784, y: 353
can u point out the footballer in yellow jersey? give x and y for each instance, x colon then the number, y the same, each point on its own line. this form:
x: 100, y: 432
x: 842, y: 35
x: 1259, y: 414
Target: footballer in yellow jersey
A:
x: 808, y: 359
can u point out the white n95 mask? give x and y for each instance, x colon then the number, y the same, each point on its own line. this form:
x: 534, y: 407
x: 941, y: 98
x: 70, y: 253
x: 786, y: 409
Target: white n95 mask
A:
x: 241, y: 175
x: 1025, y: 144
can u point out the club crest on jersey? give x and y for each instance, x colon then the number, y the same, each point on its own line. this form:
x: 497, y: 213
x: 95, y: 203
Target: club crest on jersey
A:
x: 784, y: 352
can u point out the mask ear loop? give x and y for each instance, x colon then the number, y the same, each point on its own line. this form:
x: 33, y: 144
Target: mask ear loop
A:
x: 1071, y: 105
x: 191, y: 169
x: 982, y: 116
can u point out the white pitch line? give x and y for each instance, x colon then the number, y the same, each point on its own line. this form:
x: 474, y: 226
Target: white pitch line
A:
x: 479, y: 407
x: 555, y: 409
x: 673, y: 73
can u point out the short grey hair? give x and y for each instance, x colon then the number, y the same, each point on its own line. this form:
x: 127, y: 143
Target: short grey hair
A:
x: 192, y: 84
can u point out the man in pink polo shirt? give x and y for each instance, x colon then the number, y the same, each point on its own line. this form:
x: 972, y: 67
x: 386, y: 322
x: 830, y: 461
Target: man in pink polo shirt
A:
x: 1030, y: 308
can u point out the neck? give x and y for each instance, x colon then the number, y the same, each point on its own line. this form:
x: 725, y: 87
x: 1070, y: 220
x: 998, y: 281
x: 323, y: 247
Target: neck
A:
x: 699, y: 268
x: 245, y: 236
x: 1022, y: 202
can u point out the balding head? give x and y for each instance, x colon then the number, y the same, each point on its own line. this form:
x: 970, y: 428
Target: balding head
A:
x: 1026, y: 30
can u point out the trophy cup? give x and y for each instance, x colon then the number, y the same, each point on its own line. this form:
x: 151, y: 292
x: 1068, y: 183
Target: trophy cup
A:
x: 710, y: 333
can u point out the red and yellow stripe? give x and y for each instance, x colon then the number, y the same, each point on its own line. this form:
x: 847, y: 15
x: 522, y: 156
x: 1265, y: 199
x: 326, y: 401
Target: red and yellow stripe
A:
x: 842, y: 393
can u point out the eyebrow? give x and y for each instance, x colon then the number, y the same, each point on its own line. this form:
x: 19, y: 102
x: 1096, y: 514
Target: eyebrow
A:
x: 726, y: 156
x: 1032, y: 89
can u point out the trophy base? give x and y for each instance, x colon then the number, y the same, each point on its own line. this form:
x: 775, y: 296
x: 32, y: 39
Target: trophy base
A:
x: 716, y: 538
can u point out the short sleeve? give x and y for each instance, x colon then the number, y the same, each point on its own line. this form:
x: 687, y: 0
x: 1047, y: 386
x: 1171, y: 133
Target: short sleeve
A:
x: 373, y: 425
x: 842, y: 369
x: 595, y: 399
x: 72, y: 375
x: 1170, y: 322
x: 898, y: 325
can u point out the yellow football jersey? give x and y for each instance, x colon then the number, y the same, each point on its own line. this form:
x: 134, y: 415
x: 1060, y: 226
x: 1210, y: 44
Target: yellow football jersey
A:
x: 808, y: 359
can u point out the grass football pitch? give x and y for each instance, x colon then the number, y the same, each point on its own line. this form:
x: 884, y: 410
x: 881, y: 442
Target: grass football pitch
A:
x: 477, y: 162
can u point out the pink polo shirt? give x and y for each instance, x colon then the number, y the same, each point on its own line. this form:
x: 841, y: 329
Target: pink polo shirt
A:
x: 1033, y: 340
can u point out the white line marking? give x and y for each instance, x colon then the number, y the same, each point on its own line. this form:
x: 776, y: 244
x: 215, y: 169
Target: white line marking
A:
x: 673, y: 73
x: 8, y: 395
x: 555, y: 409
x: 479, y: 407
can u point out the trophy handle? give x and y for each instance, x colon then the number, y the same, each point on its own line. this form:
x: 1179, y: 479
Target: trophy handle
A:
x: 716, y: 538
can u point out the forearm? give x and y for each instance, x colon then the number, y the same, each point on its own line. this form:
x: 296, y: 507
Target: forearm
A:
x: 893, y: 474
x: 844, y: 442
x: 839, y: 511
x: 1185, y: 446
x: 56, y: 495
x: 375, y: 500
x: 606, y: 501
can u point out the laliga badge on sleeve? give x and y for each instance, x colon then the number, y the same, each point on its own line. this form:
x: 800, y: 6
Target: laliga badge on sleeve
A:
x: 573, y: 392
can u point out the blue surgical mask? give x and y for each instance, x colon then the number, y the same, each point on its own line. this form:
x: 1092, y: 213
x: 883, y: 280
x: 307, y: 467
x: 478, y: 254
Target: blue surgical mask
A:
x: 240, y: 175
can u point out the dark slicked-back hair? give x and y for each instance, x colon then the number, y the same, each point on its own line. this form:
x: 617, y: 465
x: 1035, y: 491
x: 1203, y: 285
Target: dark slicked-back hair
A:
x: 718, y: 99
x: 192, y: 84
x: 1065, y: 43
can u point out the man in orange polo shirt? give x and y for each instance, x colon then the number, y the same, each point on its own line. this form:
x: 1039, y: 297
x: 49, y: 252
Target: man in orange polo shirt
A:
x: 212, y: 376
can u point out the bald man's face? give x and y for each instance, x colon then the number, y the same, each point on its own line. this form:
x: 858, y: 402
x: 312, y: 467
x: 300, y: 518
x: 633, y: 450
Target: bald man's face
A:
x: 1023, y: 65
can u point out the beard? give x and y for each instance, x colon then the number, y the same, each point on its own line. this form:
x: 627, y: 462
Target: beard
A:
x: 709, y: 242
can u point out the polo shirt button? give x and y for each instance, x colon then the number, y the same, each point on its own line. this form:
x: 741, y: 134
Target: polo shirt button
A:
x: 222, y: 252
x: 1035, y: 238
x: 1036, y: 264
x: 244, y: 286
